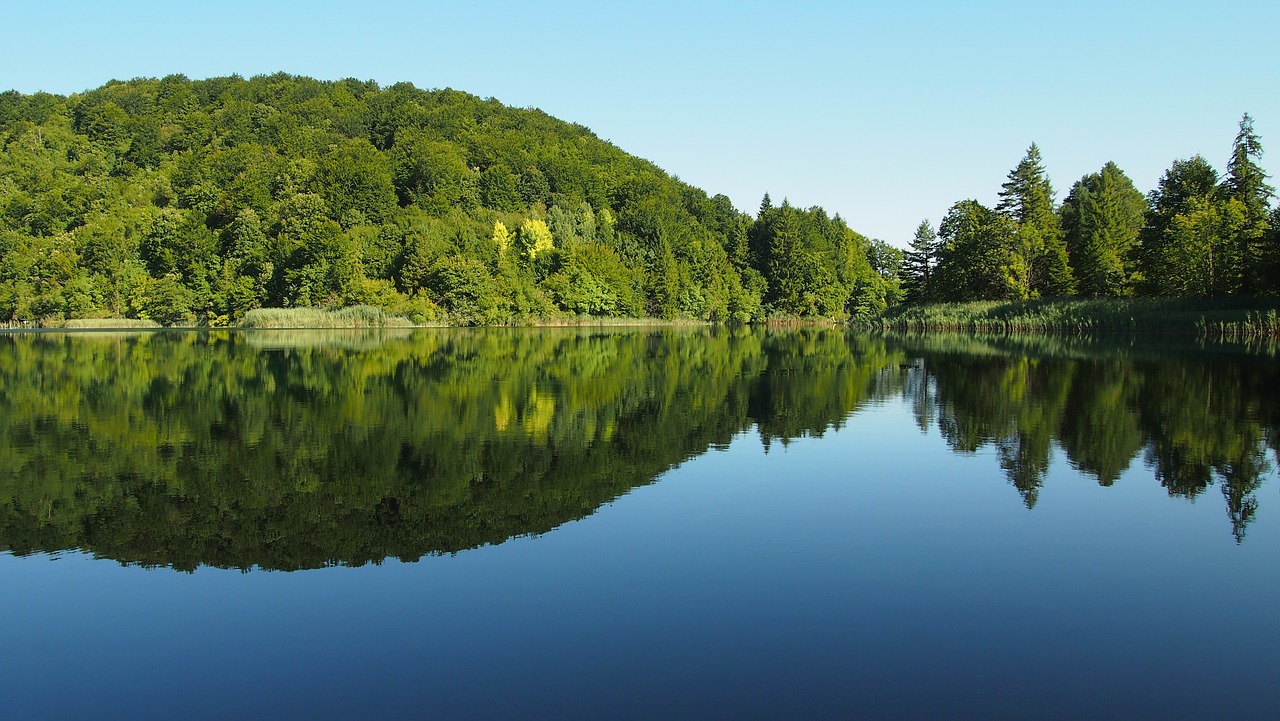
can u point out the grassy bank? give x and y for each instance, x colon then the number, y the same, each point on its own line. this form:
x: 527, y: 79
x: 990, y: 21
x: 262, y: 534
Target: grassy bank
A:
x: 1235, y: 318
x: 110, y: 323
x: 357, y: 316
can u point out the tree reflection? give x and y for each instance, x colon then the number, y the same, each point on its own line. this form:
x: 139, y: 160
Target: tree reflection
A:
x: 1198, y: 418
x: 297, y: 450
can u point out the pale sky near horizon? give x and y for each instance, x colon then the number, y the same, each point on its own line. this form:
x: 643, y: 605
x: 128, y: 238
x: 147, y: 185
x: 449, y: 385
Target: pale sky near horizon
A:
x: 886, y: 113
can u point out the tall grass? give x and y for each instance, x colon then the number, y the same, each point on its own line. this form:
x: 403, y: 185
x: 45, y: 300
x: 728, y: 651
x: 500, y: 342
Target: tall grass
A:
x: 110, y: 323
x: 591, y: 321
x: 357, y: 316
x: 1220, y: 319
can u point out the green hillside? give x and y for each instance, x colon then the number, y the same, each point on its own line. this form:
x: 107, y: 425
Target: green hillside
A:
x: 194, y: 201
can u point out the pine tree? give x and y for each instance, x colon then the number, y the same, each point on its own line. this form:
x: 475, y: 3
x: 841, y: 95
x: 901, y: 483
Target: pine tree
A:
x: 664, y: 283
x: 787, y: 264
x: 1247, y: 183
x: 1101, y: 219
x: 919, y: 264
x: 1040, y: 266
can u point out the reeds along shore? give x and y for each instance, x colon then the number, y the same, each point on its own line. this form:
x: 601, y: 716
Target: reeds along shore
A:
x: 1214, y: 319
x: 358, y: 316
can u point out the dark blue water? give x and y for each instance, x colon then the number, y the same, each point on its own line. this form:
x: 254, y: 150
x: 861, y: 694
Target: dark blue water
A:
x: 815, y: 553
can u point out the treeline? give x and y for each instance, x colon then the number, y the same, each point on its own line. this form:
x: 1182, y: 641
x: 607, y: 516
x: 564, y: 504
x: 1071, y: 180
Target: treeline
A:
x: 186, y: 201
x: 1197, y: 235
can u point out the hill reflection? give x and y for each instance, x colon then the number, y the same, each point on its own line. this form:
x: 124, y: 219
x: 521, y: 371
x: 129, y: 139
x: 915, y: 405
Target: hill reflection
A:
x: 281, y: 451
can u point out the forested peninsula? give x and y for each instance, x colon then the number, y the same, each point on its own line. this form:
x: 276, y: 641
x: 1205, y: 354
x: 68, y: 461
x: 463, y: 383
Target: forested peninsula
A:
x: 196, y: 202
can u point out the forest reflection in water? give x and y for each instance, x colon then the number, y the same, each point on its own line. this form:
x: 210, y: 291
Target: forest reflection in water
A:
x: 290, y: 450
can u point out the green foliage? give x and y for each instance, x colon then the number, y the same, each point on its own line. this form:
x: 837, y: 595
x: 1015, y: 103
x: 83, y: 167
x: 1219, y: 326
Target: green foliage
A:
x: 594, y: 281
x: 1193, y: 237
x: 1102, y: 217
x: 354, y: 176
x: 288, y: 191
x: 465, y: 289
x: 319, y: 448
x: 1246, y: 183
x: 166, y: 301
x: 498, y: 189
x: 976, y: 255
x: 1184, y: 181
x: 359, y: 316
x: 1038, y: 264
x: 920, y: 263
x: 1213, y: 319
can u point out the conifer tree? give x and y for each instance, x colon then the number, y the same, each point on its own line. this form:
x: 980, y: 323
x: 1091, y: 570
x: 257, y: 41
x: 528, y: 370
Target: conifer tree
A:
x: 1247, y: 183
x: 787, y: 263
x: 919, y: 264
x: 1040, y: 266
x: 1101, y: 219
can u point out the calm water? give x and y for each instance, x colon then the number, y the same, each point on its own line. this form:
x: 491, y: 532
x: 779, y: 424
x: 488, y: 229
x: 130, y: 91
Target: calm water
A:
x: 635, y: 524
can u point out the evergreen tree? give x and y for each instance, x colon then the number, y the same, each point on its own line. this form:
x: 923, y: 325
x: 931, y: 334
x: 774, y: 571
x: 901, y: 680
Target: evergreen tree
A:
x: 1101, y: 220
x: 1187, y: 183
x: 787, y: 263
x: 919, y: 263
x: 1247, y: 183
x: 664, y: 283
x: 1039, y: 264
x: 976, y: 260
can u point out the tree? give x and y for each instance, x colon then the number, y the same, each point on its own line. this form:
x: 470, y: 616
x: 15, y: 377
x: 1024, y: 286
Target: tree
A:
x: 167, y: 301
x: 464, y: 287
x: 1202, y: 257
x: 355, y: 176
x: 664, y: 283
x: 787, y: 261
x: 1188, y: 185
x: 919, y: 263
x: 1101, y: 218
x: 1247, y: 183
x: 498, y: 189
x: 534, y: 238
x: 1040, y: 266
x: 976, y: 260
x: 501, y: 238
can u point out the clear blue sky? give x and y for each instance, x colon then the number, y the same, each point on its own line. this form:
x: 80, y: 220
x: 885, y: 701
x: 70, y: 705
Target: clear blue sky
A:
x: 886, y: 113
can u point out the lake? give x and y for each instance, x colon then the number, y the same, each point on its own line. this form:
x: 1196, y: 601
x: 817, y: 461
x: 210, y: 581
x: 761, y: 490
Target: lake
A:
x: 636, y: 523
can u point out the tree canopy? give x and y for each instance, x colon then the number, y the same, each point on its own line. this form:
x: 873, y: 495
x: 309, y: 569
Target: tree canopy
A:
x: 213, y: 197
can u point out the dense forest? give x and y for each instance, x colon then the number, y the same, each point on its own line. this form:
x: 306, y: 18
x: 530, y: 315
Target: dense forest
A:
x: 187, y: 202
x: 193, y: 202
x: 1197, y: 235
x: 304, y: 449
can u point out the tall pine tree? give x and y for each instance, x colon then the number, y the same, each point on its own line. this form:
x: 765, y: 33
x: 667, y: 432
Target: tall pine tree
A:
x: 1040, y: 266
x: 919, y: 263
x: 1247, y: 183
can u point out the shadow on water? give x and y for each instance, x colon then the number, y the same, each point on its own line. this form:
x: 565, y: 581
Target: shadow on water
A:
x: 279, y: 451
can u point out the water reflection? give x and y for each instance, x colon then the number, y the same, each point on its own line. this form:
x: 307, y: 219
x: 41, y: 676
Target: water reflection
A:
x: 1196, y: 415
x: 285, y: 451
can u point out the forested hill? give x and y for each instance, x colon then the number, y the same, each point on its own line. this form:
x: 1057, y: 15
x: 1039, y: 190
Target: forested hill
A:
x: 194, y: 201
